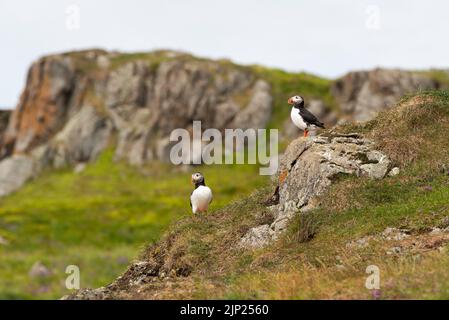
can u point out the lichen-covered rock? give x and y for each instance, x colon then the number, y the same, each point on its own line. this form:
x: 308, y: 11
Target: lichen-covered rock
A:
x: 307, y: 170
x: 257, y: 237
x: 4, y: 119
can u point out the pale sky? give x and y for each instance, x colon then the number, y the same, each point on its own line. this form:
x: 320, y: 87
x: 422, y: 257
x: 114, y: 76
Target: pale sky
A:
x: 328, y: 38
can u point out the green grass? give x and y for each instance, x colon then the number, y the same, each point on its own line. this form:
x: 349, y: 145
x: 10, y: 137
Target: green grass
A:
x: 101, y: 218
x: 303, y: 263
x: 307, y: 270
x: 98, y: 219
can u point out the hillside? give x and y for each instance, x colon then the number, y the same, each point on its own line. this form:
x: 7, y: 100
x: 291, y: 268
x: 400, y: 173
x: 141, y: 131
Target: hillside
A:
x: 398, y: 223
x: 91, y: 207
x: 84, y: 177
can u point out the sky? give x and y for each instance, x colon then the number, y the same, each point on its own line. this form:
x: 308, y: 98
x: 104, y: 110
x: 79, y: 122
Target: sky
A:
x: 324, y: 37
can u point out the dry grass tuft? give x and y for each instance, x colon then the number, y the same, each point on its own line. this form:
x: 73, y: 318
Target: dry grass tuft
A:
x: 417, y: 129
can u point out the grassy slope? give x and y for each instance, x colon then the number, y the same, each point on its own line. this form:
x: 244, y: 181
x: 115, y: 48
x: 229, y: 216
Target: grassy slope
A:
x: 415, y: 136
x: 97, y: 220
x: 324, y: 267
x: 100, y: 218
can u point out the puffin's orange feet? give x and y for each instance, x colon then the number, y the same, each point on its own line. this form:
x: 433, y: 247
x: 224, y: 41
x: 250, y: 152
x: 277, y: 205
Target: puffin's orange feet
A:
x: 306, y: 133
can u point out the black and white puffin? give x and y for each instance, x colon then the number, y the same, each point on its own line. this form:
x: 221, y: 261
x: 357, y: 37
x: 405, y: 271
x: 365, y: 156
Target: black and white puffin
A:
x: 201, y: 197
x: 301, y: 117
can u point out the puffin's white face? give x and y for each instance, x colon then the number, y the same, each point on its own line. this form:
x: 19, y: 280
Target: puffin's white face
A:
x: 197, y: 177
x: 295, y: 100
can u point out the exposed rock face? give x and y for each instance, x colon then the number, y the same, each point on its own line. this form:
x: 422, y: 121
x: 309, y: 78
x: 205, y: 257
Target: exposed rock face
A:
x: 82, y: 138
x: 43, y: 106
x: 307, y: 170
x: 146, y: 105
x: 14, y: 172
x: 363, y: 94
x: 73, y: 102
x: 4, y: 119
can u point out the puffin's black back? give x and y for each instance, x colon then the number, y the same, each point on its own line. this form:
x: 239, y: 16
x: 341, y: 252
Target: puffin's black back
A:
x: 309, y: 117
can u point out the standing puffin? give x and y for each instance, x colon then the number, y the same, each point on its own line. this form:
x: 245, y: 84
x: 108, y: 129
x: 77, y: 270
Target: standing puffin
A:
x: 201, y: 197
x: 301, y: 117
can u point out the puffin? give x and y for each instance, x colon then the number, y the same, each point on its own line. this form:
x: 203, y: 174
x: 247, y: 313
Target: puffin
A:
x: 301, y: 117
x: 201, y: 196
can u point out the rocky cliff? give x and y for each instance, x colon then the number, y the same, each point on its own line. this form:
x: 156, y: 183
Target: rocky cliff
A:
x: 74, y: 104
x: 4, y: 119
x: 362, y: 94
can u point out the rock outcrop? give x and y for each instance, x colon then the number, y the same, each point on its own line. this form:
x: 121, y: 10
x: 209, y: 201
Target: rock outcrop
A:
x: 306, y: 172
x: 44, y: 105
x: 14, y: 172
x: 74, y: 103
x: 4, y: 119
x: 362, y: 94
x: 146, y: 105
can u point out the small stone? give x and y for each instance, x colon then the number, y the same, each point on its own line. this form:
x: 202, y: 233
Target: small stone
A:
x: 39, y: 270
x: 394, y: 250
x: 3, y: 241
x: 435, y: 231
x: 257, y: 237
x: 79, y: 167
x: 394, y: 172
x: 394, y: 234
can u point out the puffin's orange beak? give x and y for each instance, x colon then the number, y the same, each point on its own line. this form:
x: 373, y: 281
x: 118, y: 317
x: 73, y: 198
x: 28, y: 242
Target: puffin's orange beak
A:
x: 290, y: 101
